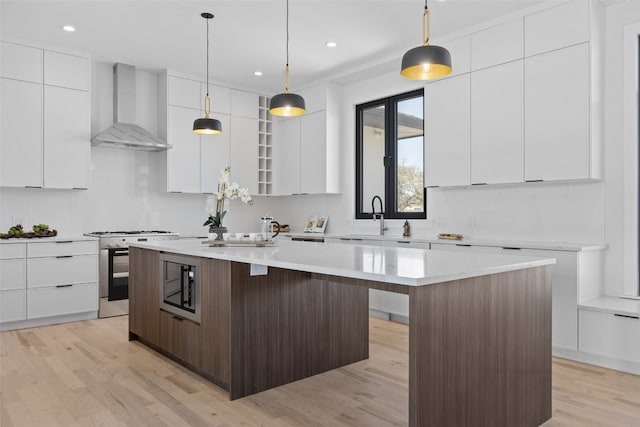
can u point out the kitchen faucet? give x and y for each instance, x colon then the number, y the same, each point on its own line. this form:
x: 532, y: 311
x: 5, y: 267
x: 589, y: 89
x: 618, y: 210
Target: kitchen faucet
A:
x: 380, y: 215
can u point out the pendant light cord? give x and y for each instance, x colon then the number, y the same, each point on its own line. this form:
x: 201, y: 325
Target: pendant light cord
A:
x: 286, y: 78
x: 425, y: 25
x: 207, y: 57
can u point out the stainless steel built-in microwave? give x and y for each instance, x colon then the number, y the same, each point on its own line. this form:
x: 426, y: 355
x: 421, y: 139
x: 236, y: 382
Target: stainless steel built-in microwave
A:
x: 180, y: 286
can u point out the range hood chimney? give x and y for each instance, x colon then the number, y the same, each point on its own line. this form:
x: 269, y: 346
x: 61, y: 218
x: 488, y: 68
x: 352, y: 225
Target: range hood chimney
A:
x: 124, y: 133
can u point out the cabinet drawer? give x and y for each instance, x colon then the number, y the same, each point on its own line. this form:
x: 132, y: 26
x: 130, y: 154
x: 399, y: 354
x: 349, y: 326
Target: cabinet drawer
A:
x: 462, y: 247
x: 13, y: 274
x: 13, y: 306
x: 609, y: 335
x: 62, y: 248
x: 62, y: 271
x: 56, y: 301
x: 10, y: 251
x: 180, y: 337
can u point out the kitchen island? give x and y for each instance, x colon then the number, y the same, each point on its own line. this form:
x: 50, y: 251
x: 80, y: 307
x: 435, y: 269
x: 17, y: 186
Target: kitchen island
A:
x: 479, y: 325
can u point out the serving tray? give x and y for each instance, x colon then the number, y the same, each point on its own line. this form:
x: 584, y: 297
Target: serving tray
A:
x: 250, y: 243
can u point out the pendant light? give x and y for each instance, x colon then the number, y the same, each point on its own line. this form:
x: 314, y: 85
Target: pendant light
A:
x: 287, y: 104
x: 207, y: 125
x: 426, y: 62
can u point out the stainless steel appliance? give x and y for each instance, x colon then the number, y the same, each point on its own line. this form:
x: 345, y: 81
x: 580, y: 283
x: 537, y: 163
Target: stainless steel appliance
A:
x: 180, y: 286
x: 113, y: 262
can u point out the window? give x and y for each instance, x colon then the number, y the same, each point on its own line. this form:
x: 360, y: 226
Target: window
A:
x: 390, y: 156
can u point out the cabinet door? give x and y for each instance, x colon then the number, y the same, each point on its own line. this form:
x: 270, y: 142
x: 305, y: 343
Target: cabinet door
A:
x: 180, y: 337
x: 73, y: 72
x: 13, y: 274
x: 313, y: 153
x: 447, y: 130
x: 556, y: 27
x: 220, y: 99
x: 184, y: 93
x: 215, y: 155
x: 21, y: 134
x: 286, y: 156
x: 67, y: 137
x: 497, y: 124
x: 557, y: 100
x: 564, y: 294
x: 244, y: 152
x: 183, y: 160
x: 497, y: 45
x: 20, y: 62
x: 244, y: 104
x: 13, y: 306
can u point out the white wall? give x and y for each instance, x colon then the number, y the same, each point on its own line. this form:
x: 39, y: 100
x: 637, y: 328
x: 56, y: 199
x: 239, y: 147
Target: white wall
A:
x: 127, y: 187
x: 617, y: 169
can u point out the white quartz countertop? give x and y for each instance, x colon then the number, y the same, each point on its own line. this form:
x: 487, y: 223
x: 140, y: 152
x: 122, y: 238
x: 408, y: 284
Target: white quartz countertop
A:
x: 405, y: 266
x: 554, y: 246
x: 58, y: 238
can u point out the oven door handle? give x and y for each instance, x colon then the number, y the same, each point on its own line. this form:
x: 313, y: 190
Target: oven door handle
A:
x: 119, y: 252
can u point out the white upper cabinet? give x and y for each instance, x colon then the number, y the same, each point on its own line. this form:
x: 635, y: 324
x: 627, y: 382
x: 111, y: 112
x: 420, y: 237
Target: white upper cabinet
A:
x: 20, y: 62
x: 215, y: 155
x: 557, y: 126
x: 46, y: 118
x: 73, y: 72
x: 20, y: 134
x: 184, y: 93
x: 560, y: 26
x: 220, y: 98
x: 244, y: 152
x: 67, y: 132
x: 183, y: 160
x: 306, y: 149
x: 244, y: 104
x: 460, y: 50
x: 497, y: 45
x: 447, y: 131
x: 286, y: 153
x: 497, y: 124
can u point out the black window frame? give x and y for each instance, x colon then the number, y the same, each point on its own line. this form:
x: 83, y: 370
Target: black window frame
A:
x: 389, y: 159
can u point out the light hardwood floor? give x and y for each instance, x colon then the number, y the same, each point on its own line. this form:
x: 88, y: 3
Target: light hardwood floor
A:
x: 88, y: 374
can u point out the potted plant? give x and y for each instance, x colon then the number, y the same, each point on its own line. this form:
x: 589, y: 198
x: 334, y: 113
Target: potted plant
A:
x: 226, y: 190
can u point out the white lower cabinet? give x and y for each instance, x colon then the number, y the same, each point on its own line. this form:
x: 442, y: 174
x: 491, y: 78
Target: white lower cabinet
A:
x: 47, y: 278
x: 13, y: 306
x: 610, y: 334
x: 460, y: 247
x: 62, y: 299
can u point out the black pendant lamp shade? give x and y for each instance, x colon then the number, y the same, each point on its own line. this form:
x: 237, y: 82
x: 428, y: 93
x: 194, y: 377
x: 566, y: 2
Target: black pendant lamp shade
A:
x: 287, y: 104
x: 426, y: 62
x: 207, y: 125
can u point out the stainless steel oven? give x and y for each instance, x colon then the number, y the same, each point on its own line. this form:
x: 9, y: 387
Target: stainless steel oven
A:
x: 180, y: 286
x: 113, y: 262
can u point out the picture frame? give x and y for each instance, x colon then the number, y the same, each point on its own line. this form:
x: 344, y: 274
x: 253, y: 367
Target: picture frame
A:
x: 316, y: 223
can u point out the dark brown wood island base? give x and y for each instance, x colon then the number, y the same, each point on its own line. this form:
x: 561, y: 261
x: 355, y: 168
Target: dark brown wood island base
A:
x: 479, y: 349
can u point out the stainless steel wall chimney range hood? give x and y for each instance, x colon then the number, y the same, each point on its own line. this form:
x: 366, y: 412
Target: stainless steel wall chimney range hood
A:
x: 124, y: 133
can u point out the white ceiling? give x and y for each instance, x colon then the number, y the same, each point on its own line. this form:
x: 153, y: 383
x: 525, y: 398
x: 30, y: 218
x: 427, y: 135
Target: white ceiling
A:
x: 245, y: 35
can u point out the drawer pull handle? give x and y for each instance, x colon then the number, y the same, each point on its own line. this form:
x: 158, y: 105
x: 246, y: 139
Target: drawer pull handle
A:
x: 63, y: 286
x: 64, y: 256
x: 179, y: 319
x: 460, y: 244
x: 511, y: 249
x: 403, y: 241
x: 64, y: 241
x: 626, y: 316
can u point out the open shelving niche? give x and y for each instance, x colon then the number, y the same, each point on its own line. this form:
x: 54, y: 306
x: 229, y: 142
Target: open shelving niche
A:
x: 265, y: 147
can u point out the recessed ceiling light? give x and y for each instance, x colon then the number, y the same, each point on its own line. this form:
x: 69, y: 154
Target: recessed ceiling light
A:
x: 257, y: 73
x: 69, y: 28
x: 331, y: 44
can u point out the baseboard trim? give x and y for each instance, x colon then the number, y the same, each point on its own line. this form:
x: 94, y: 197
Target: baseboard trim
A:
x: 44, y: 321
x: 598, y: 360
